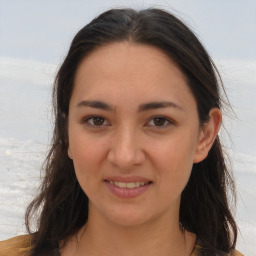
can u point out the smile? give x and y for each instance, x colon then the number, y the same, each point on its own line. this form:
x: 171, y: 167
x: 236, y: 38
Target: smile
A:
x: 129, y: 184
x: 128, y: 189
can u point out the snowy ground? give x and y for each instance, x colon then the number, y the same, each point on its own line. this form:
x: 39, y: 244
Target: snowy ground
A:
x: 25, y: 89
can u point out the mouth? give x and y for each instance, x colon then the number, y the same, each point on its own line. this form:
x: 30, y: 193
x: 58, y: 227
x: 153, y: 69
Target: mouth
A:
x: 127, y: 188
x: 129, y: 185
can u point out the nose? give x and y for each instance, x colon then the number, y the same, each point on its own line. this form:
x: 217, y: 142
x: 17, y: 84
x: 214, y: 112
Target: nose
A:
x: 125, y: 152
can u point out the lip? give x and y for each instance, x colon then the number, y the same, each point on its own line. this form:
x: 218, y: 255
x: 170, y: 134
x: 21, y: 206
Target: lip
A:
x: 127, y: 179
x: 126, y: 193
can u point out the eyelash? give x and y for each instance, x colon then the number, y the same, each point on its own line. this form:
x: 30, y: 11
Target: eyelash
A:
x: 167, y: 121
x: 88, y: 119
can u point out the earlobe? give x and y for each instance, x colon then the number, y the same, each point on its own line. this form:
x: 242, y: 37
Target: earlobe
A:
x: 70, y: 153
x: 207, y: 135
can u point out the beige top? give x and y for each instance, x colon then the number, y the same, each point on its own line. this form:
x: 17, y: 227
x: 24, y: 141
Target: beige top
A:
x: 21, y: 245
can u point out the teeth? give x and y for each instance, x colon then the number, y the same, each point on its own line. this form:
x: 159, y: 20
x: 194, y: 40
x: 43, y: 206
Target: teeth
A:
x: 128, y: 185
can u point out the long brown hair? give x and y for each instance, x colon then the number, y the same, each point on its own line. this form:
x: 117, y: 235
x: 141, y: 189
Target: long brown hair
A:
x: 61, y: 208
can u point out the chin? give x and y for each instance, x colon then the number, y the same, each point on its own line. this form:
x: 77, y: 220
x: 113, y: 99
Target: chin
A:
x: 128, y: 218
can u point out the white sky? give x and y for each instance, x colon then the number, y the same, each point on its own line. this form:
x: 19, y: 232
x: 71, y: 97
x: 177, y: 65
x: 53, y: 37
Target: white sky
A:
x: 42, y: 30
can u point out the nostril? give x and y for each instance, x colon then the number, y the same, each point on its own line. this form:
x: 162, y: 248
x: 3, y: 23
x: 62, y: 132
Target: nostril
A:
x: 126, y: 159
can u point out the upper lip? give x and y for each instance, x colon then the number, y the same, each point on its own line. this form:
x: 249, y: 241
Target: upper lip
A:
x: 127, y: 179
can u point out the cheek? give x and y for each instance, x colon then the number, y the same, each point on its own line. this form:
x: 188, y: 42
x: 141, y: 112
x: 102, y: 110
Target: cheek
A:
x: 174, y: 160
x: 88, y: 156
x: 87, y: 151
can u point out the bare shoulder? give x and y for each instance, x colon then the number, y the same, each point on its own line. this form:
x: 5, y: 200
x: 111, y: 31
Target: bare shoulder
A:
x: 16, y: 246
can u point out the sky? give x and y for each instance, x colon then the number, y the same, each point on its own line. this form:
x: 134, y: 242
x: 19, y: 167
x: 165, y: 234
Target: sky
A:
x: 42, y: 30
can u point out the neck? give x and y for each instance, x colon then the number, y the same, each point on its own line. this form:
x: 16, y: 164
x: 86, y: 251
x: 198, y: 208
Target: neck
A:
x: 100, y: 237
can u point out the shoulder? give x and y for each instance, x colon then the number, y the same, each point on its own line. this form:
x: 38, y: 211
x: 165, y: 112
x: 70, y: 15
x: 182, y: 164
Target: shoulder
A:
x: 16, y: 246
x: 200, y: 250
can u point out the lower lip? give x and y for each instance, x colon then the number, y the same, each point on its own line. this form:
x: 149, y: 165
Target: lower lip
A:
x: 127, y: 192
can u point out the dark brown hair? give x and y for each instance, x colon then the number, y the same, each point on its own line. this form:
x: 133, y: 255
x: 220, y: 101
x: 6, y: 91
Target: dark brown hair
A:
x: 61, y: 208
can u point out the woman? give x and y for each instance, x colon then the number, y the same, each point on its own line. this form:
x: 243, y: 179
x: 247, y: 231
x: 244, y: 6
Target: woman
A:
x: 136, y: 166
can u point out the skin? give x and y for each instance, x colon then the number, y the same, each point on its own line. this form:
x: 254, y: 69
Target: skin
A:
x: 129, y: 141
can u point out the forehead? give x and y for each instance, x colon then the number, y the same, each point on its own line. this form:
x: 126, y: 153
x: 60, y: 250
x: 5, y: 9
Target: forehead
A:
x: 126, y: 58
x: 129, y: 71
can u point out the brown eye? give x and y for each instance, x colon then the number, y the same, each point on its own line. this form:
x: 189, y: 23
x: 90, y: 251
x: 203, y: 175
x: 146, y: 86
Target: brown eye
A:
x: 159, y: 121
x: 96, y: 121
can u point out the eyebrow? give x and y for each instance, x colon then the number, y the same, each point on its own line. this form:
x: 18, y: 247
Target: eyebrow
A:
x: 156, y: 105
x: 143, y: 107
x: 95, y: 104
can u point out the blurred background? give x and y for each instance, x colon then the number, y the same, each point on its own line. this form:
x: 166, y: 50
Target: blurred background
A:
x: 34, y: 38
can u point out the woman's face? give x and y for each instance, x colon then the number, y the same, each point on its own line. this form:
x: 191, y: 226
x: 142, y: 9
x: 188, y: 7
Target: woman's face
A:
x: 133, y: 133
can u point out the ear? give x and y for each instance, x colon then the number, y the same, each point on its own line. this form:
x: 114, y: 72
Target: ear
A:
x: 207, y: 135
x: 70, y: 153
